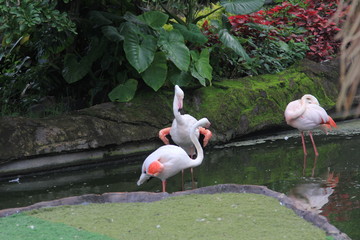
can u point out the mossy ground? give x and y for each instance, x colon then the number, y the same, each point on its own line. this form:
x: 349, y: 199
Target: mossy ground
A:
x: 217, y: 216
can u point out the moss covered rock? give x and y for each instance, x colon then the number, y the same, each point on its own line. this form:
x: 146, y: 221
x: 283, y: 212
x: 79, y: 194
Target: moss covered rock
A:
x: 234, y: 107
x: 241, y: 106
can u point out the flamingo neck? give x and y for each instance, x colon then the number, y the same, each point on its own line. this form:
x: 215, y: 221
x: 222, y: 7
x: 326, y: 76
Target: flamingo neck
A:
x: 199, y: 151
x: 301, y: 110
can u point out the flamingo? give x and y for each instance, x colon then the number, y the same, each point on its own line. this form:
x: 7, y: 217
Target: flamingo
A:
x: 169, y: 160
x: 180, y: 128
x: 306, y: 114
x: 181, y: 125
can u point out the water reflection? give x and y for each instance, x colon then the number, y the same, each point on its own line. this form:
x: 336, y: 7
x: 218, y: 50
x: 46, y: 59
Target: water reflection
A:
x: 329, y: 183
x: 315, y: 192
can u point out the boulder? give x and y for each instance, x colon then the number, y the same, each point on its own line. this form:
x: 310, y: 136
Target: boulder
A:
x: 235, y: 107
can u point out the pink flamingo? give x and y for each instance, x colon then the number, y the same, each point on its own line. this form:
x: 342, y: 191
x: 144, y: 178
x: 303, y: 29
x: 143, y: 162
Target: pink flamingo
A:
x: 306, y: 114
x: 169, y: 160
x: 180, y: 128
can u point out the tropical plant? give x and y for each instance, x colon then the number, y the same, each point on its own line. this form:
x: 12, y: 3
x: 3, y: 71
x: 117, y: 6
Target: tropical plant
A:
x: 277, y: 37
x: 141, y: 49
x: 32, y: 34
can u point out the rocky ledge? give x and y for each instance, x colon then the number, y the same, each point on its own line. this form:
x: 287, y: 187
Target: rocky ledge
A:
x: 234, y: 107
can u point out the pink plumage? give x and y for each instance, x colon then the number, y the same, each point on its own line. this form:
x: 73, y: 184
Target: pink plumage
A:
x: 306, y: 114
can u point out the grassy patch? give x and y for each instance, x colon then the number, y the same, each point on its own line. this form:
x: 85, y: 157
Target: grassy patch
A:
x: 24, y: 227
x: 217, y: 216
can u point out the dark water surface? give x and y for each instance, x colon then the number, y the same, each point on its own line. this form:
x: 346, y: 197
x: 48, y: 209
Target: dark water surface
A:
x: 328, y: 184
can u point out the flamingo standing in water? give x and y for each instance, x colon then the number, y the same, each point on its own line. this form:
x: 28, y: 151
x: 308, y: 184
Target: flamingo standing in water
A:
x: 179, y: 130
x: 169, y: 160
x: 306, y: 114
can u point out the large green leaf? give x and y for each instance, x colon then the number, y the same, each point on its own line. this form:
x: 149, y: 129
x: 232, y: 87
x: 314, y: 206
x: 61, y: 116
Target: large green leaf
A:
x: 112, y: 34
x: 99, y: 18
x: 154, y: 19
x: 191, y: 33
x: 139, y: 50
x: 242, y: 7
x: 231, y: 42
x: 104, y: 18
x: 178, y: 77
x: 155, y: 75
x: 203, y: 66
x: 73, y: 70
x: 124, y: 92
x: 172, y: 43
x: 197, y: 75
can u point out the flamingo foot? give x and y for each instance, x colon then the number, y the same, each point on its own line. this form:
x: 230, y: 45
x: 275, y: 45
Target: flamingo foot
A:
x: 163, y: 133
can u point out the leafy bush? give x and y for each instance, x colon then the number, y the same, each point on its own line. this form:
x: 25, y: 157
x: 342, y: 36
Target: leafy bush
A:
x: 145, y: 53
x: 316, y: 19
x: 32, y: 34
x: 277, y: 37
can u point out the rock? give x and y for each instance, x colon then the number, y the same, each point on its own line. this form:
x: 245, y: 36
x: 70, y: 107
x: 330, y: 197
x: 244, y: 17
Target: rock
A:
x: 234, y: 107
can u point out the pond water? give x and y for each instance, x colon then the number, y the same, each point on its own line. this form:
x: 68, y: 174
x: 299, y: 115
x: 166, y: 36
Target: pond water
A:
x: 328, y: 184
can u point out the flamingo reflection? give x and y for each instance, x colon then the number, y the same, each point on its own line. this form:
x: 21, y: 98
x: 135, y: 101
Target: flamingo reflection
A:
x: 312, y: 196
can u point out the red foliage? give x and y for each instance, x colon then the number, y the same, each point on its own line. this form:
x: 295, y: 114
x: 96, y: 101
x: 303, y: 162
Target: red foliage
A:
x: 315, y: 18
x: 212, y: 38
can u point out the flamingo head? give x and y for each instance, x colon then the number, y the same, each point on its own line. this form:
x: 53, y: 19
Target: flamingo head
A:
x: 310, y: 99
x: 179, y: 94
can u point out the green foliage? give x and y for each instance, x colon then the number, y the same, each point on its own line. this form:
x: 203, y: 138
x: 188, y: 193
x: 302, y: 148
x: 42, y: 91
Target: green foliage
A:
x: 260, y: 52
x: 242, y: 7
x: 172, y: 43
x: 274, y: 56
x: 124, y: 92
x: 139, y: 50
x: 33, y: 33
x: 114, y: 52
x: 23, y: 17
x: 151, y: 53
x: 231, y: 42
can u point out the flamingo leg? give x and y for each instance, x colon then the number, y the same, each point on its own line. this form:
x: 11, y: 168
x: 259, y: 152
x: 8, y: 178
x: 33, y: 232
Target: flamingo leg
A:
x: 192, y: 172
x: 162, y: 135
x: 192, y: 178
x: 207, y: 135
x: 313, y: 169
x: 182, y: 180
x: 313, y: 143
x: 304, y: 167
x: 303, y: 143
x: 164, y: 185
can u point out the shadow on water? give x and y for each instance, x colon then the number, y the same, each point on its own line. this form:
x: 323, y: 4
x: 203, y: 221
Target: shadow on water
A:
x: 328, y: 184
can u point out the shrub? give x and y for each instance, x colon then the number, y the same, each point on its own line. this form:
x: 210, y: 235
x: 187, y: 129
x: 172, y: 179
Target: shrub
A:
x: 277, y: 37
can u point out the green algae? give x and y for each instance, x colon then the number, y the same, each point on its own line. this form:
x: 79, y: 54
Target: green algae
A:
x: 24, y: 227
x: 217, y: 216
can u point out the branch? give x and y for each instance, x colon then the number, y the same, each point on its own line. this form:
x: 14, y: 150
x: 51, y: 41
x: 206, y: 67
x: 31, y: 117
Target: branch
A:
x: 179, y: 20
x: 204, y: 16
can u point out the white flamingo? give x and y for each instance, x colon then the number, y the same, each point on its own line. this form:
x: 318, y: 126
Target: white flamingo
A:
x: 180, y: 128
x: 169, y: 160
x: 306, y: 114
